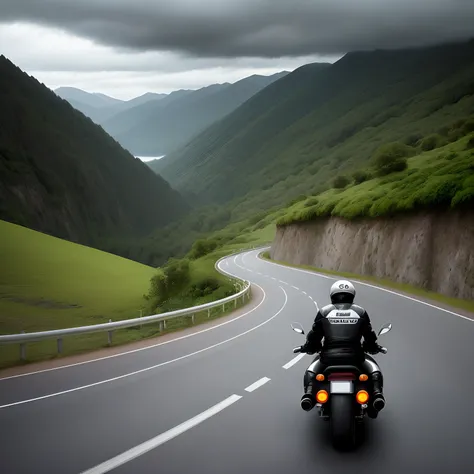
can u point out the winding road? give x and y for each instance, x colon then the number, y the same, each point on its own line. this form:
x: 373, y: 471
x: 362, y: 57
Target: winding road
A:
x: 225, y: 399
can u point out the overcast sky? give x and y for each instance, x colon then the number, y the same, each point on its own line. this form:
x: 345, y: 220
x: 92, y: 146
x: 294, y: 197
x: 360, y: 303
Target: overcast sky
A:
x: 127, y: 47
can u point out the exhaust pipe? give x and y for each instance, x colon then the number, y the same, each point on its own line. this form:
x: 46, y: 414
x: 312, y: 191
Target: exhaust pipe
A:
x: 379, y: 403
x: 307, y: 403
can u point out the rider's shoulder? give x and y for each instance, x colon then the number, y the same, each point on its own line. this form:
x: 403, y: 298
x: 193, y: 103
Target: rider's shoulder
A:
x: 358, y: 309
x: 325, y: 310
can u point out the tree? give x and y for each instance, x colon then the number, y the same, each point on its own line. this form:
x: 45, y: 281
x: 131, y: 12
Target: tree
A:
x: 360, y: 176
x: 340, y: 182
x: 391, y: 158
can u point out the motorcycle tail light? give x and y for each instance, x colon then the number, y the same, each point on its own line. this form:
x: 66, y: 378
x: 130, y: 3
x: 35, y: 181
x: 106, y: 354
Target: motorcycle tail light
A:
x: 363, y: 377
x: 342, y: 376
x: 362, y: 397
x: 320, y: 378
x: 322, y: 396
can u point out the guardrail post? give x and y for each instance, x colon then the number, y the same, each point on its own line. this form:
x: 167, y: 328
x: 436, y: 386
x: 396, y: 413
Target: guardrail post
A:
x: 60, y: 346
x: 161, y: 326
x: 223, y: 308
x: 164, y: 323
x: 109, y: 335
x: 209, y: 312
x: 23, y: 349
x: 235, y: 303
x: 192, y: 318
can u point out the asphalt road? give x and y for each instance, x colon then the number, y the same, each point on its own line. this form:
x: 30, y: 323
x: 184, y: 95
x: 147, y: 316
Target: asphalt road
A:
x: 226, y: 400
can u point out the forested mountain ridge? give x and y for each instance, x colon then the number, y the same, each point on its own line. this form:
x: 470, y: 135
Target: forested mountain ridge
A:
x: 296, y: 135
x: 63, y: 175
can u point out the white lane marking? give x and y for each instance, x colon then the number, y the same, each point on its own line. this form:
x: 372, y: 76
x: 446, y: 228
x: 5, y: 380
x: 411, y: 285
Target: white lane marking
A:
x: 284, y: 282
x: 273, y: 278
x: 257, y: 384
x: 304, y: 292
x: 143, y: 348
x: 21, y: 402
x: 371, y: 286
x: 295, y: 287
x: 162, y: 438
x: 293, y: 361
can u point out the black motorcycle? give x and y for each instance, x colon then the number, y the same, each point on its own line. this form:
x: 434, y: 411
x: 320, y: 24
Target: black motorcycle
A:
x: 341, y: 393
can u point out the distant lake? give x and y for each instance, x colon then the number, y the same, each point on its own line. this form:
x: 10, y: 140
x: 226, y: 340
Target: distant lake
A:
x: 149, y: 158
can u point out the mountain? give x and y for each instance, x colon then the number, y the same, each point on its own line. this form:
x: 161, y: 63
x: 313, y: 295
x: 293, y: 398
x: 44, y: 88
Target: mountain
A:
x: 142, y: 99
x: 96, y: 100
x: 123, y: 121
x: 62, y: 175
x: 100, y: 107
x: 297, y: 134
x: 164, y: 129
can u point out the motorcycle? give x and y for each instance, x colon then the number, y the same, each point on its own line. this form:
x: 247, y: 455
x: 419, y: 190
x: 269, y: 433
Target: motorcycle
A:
x: 341, y: 393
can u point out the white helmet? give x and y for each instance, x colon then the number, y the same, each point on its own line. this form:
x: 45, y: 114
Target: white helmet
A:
x: 342, y: 291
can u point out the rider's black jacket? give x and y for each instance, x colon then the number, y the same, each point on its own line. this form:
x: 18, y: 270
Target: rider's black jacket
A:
x: 342, y: 326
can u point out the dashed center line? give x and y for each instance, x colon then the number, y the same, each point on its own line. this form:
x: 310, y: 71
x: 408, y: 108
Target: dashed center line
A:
x: 295, y: 287
x: 257, y: 384
x: 293, y: 361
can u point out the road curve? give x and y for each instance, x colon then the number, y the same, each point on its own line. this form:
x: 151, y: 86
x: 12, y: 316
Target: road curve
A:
x: 226, y: 400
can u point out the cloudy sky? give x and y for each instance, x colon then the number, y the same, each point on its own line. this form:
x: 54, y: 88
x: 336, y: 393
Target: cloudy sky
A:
x: 127, y: 47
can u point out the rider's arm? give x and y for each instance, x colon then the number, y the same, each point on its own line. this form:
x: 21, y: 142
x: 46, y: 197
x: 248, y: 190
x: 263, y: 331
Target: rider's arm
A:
x: 313, y: 339
x: 370, y: 338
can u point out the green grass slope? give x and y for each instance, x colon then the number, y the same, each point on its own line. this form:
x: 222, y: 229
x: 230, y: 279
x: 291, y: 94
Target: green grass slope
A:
x: 50, y: 283
x: 440, y: 178
x: 63, y: 175
x: 297, y: 134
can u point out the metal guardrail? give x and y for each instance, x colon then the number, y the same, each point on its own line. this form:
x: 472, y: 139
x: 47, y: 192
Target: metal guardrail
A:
x: 59, y: 334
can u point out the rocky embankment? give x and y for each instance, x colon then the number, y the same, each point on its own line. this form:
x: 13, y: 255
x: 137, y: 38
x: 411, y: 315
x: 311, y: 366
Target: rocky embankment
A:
x: 432, y: 250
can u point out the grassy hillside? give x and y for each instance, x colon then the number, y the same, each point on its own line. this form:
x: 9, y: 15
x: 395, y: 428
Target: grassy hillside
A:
x: 61, y: 174
x: 297, y: 134
x: 440, y: 178
x: 167, y: 128
x: 49, y: 283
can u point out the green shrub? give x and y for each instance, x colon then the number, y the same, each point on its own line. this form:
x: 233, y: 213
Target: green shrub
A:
x: 413, y: 140
x: 340, y: 182
x: 431, y: 142
x: 468, y: 126
x: 470, y: 143
x: 311, y: 202
x: 204, y: 287
x: 202, y: 247
x: 385, y: 165
x: 391, y: 157
x: 360, y: 176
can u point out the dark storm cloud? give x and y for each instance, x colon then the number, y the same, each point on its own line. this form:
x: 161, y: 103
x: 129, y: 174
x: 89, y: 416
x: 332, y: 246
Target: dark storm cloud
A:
x: 258, y: 28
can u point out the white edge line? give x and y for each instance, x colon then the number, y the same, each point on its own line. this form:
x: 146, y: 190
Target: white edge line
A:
x: 257, y: 384
x: 141, y: 348
x: 162, y: 438
x: 146, y: 369
x: 371, y: 286
x: 293, y: 361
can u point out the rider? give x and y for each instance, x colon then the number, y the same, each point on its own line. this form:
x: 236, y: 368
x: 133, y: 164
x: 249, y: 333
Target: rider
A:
x: 343, y: 324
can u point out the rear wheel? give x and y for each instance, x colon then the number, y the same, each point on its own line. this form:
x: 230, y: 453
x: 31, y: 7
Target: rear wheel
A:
x: 343, y: 423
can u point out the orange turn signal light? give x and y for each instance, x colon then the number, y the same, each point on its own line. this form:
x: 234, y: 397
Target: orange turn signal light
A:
x: 362, y: 397
x: 363, y: 377
x: 322, y: 396
x: 320, y: 377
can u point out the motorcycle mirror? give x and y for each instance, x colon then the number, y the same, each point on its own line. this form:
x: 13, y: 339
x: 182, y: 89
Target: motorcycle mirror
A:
x: 297, y: 327
x: 385, y: 329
